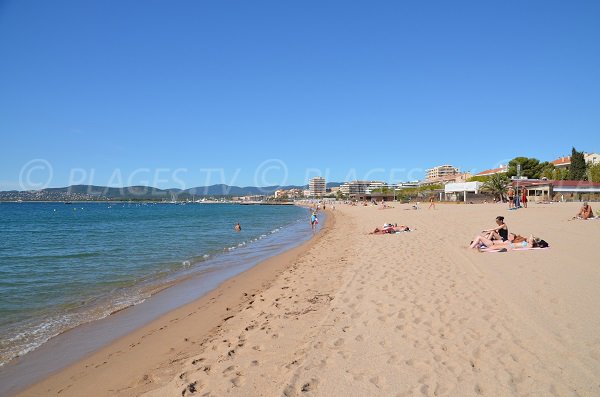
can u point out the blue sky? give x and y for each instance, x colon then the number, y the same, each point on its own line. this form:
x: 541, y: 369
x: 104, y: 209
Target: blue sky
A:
x: 184, y: 93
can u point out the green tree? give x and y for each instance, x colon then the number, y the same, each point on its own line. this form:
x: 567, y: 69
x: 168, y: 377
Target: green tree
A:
x: 593, y: 173
x: 577, y: 169
x: 497, y: 184
x: 556, y: 174
x: 531, y: 168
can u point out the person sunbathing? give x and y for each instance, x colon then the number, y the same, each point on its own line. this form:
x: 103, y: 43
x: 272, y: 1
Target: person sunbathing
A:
x: 390, y: 229
x: 513, y: 241
x: 585, y: 212
x: 498, y: 233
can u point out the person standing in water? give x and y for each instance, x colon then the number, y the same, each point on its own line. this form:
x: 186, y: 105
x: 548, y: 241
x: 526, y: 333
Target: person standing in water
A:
x: 314, y: 221
x: 237, y: 227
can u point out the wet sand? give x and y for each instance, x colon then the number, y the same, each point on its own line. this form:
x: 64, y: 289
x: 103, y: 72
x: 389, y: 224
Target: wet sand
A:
x: 412, y: 314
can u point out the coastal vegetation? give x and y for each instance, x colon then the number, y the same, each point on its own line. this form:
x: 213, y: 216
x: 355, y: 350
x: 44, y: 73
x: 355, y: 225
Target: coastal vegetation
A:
x: 531, y: 168
x: 593, y: 173
x: 497, y: 185
x: 578, y: 167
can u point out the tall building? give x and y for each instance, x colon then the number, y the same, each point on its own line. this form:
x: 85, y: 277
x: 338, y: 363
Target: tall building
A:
x: 317, y: 186
x: 442, y: 171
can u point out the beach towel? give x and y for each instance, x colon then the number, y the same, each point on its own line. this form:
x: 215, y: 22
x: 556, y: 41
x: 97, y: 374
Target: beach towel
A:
x: 514, y: 249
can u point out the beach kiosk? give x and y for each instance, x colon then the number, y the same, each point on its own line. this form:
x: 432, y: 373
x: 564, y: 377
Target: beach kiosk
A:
x: 453, y: 190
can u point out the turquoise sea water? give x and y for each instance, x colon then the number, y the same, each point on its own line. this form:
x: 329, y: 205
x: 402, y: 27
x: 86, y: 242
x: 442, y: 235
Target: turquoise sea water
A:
x: 62, y: 265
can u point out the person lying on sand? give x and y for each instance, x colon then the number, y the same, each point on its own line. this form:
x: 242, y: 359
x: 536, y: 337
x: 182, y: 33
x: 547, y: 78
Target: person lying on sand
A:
x: 390, y: 229
x: 585, y: 212
x: 514, y: 241
x: 500, y: 232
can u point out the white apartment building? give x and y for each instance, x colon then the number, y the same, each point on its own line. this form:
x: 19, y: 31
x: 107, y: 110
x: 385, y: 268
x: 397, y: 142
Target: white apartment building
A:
x: 357, y: 189
x: 442, y: 171
x: 317, y: 186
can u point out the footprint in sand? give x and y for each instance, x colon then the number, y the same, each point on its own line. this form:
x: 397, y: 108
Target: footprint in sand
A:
x: 377, y: 381
x: 309, y: 386
x: 236, y: 381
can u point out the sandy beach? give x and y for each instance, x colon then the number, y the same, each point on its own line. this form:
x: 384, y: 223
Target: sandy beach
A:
x: 353, y: 314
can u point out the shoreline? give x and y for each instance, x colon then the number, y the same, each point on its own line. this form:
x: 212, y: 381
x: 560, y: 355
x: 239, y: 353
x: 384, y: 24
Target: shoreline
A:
x: 357, y: 314
x: 205, y: 283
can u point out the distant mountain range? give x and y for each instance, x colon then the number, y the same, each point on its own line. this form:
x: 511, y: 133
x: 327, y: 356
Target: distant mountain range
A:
x: 91, y: 192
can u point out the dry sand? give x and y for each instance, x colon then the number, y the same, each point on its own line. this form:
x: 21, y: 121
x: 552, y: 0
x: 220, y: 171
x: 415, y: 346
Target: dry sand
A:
x: 352, y: 314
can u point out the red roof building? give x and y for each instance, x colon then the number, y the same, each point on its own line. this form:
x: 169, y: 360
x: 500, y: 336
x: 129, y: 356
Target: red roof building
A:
x: 562, y: 162
x: 501, y: 170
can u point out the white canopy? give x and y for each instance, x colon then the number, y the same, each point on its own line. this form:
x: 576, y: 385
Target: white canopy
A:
x: 463, y: 187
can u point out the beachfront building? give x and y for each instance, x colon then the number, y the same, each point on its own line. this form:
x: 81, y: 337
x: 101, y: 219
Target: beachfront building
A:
x: 562, y: 162
x: 317, y: 186
x: 357, y: 190
x: 445, y: 179
x: 558, y: 190
x: 592, y: 158
x: 288, y: 194
x: 565, y: 161
x: 406, y: 185
x: 441, y: 171
x: 502, y: 169
x: 253, y: 198
x: 376, y: 185
x: 295, y: 193
x: 461, y: 191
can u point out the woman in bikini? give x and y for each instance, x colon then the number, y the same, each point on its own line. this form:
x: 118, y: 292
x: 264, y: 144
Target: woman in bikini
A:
x: 500, y: 232
x: 513, y: 241
x: 389, y: 229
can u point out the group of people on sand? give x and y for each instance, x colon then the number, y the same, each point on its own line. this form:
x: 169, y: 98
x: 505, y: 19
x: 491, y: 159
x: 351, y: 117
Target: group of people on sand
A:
x: 514, y: 200
x: 499, y: 239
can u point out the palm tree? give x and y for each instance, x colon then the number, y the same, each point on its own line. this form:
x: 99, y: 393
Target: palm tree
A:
x: 496, y: 184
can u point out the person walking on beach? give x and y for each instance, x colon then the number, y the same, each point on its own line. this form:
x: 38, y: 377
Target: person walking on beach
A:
x: 431, y: 202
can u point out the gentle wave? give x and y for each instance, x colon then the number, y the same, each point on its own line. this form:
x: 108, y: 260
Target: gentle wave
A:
x: 103, y: 280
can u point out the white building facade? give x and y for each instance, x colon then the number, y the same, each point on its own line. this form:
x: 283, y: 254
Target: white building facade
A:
x: 442, y: 171
x: 317, y: 186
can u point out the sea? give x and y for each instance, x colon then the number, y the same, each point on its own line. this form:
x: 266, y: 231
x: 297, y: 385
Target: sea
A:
x: 67, y: 264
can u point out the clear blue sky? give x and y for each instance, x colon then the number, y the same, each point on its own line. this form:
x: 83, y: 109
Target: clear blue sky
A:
x: 99, y: 89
